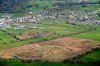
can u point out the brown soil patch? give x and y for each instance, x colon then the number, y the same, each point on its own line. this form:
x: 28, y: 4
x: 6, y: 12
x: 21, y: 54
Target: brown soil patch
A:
x: 33, y: 35
x: 53, y: 51
x: 5, y: 56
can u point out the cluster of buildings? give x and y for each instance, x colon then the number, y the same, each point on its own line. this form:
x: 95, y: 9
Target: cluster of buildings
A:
x: 88, y: 22
x: 6, y: 20
x: 34, y: 18
x: 82, y: 16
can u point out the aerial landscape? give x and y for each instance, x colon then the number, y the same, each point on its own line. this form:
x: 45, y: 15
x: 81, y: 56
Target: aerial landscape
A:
x: 49, y: 32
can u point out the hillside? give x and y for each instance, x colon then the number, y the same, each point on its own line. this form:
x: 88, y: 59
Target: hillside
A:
x: 34, y: 5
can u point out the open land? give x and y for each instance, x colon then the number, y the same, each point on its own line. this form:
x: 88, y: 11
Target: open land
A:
x: 51, y: 33
x: 54, y: 50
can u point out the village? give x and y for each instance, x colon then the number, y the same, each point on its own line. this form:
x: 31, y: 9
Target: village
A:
x: 6, y: 20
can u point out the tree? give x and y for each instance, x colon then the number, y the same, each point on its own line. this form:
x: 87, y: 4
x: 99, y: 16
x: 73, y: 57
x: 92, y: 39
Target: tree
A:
x: 99, y: 2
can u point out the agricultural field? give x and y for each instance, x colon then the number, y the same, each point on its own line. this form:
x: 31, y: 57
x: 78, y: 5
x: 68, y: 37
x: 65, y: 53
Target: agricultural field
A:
x: 55, y: 40
x: 59, y: 29
x: 53, y: 51
x: 42, y: 32
x: 7, y: 40
x: 94, y: 35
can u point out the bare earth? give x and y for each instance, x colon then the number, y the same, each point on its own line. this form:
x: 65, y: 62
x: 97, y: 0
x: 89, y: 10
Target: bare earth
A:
x: 33, y: 35
x: 53, y: 51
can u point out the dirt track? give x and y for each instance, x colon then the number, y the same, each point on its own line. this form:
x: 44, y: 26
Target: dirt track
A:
x: 53, y: 50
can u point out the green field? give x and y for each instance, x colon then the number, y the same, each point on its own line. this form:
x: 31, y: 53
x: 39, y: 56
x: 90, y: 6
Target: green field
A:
x: 93, y: 35
x: 19, y: 63
x: 90, y: 58
x: 5, y: 39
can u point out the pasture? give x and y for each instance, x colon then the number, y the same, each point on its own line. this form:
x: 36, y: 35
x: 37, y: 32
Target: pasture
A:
x: 5, y: 38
